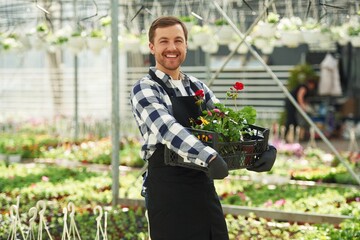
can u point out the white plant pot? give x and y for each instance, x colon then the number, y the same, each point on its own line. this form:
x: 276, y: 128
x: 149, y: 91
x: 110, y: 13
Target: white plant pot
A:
x: 24, y: 39
x: 144, y: 49
x: 243, y: 49
x: 325, y: 41
x: 267, y: 49
x: 261, y: 43
x: 224, y: 33
x: 36, y: 42
x: 291, y: 39
x: 310, y: 36
x: 355, y: 41
x: 201, y: 38
x: 14, y: 158
x: 76, y: 44
x: 132, y: 44
x: 211, y: 47
x: 326, y: 37
x: 266, y: 30
x: 343, y: 41
x: 191, y: 45
x: 96, y: 44
x: 278, y: 42
x: 189, y: 25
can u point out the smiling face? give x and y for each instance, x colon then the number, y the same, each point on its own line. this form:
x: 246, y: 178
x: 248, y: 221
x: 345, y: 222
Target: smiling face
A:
x: 169, y: 48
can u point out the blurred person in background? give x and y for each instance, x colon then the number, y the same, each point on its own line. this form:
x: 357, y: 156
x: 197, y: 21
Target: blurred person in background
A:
x: 293, y: 116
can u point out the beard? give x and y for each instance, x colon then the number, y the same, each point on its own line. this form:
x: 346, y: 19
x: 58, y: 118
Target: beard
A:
x: 170, y: 63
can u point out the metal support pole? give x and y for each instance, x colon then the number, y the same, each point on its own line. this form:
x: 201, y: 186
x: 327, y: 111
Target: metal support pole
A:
x: 76, y: 98
x: 76, y: 84
x: 288, y: 95
x: 115, y: 126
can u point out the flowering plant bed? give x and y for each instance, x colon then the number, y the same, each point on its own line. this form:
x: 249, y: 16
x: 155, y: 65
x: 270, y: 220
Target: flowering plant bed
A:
x: 57, y: 186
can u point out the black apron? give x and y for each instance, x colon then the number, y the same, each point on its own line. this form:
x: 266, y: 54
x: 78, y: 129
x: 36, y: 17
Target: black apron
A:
x: 182, y: 203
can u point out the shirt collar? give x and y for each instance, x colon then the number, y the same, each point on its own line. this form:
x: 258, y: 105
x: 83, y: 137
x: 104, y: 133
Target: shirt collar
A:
x: 165, y: 77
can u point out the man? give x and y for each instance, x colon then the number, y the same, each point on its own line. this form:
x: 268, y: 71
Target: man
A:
x: 182, y: 203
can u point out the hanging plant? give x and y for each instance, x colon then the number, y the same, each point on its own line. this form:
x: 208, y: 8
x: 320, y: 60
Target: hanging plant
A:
x: 96, y: 40
x: 221, y: 22
x: 211, y: 46
x: 42, y: 28
x: 243, y: 49
x: 105, y: 21
x: 189, y: 21
x: 201, y: 34
x: 289, y: 29
x: 354, y: 35
x: 76, y: 42
x: 37, y: 36
x: 267, y: 28
x: 340, y: 34
x: 131, y: 42
x: 310, y: 31
x: 273, y: 18
x: 326, y: 41
x: 354, y: 31
x: 224, y: 32
x: 10, y: 42
x: 97, y: 33
x: 144, y: 44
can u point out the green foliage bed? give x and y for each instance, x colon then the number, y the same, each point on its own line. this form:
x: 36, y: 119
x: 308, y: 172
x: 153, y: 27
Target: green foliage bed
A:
x: 58, y: 186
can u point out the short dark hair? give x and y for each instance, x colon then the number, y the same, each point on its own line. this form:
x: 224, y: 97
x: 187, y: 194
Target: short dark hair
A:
x: 165, y: 21
x: 313, y: 79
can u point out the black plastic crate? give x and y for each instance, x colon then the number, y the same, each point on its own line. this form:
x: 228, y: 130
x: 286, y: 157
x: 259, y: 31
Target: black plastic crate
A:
x: 237, y: 155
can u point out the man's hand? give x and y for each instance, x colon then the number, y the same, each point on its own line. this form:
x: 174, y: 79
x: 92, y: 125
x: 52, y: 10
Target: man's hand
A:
x: 218, y: 168
x: 266, y: 161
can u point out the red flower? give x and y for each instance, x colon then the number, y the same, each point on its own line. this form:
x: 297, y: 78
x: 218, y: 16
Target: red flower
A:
x: 199, y: 97
x: 239, y: 86
x: 233, y: 93
x: 199, y: 93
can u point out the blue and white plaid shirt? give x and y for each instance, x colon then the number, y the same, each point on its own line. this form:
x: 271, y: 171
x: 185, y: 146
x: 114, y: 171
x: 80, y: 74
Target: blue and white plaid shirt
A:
x: 152, y: 109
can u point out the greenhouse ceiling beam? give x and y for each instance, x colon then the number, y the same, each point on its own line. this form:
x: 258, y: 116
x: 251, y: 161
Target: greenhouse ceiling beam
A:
x: 288, y: 95
x: 115, y: 119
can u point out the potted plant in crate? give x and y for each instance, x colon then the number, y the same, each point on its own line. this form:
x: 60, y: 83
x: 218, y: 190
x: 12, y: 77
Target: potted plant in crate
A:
x: 230, y: 132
